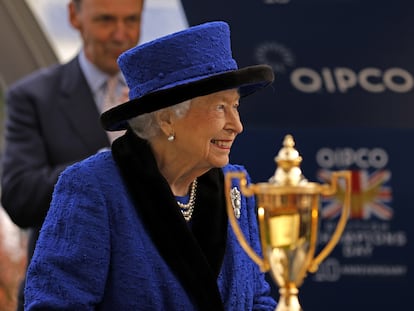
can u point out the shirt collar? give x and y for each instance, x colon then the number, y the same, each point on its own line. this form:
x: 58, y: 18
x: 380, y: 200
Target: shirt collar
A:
x: 95, y: 77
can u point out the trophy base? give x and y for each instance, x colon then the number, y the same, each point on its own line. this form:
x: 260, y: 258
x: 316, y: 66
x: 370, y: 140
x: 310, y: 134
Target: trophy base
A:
x: 288, y: 300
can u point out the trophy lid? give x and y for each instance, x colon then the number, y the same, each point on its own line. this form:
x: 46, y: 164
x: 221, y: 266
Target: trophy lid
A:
x: 288, y: 160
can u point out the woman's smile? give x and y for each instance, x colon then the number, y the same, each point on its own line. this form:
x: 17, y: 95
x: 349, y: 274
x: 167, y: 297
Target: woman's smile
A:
x: 222, y: 144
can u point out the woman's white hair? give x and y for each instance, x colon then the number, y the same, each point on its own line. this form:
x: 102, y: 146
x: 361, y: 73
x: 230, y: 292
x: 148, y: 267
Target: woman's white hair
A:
x: 146, y: 125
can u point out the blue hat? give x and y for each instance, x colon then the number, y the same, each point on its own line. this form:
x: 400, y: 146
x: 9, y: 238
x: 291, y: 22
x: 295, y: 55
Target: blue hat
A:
x: 190, y: 63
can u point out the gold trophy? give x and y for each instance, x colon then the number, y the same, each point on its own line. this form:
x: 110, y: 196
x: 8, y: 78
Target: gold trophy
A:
x: 288, y: 214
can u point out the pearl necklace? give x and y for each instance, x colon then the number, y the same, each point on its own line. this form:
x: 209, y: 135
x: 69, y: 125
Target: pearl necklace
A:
x: 188, y: 208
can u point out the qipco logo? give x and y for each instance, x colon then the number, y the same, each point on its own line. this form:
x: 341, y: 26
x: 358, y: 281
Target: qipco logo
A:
x: 342, y: 80
x: 362, y: 158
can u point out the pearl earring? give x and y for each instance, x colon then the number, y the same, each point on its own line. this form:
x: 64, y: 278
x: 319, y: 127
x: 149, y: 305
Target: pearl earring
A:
x: 171, y: 137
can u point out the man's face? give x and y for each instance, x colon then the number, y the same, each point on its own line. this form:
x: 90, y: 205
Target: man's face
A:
x: 107, y: 28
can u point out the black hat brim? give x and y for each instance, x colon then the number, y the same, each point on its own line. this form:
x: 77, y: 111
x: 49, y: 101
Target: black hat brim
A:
x: 248, y: 80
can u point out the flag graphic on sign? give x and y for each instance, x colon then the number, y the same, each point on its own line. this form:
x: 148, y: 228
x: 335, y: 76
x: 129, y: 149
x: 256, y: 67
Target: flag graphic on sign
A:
x: 370, y: 196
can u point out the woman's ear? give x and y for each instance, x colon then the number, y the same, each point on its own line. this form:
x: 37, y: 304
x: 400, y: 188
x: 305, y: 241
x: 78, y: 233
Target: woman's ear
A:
x: 165, y: 121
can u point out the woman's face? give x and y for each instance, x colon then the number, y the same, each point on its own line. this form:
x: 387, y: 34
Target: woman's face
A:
x: 205, y: 135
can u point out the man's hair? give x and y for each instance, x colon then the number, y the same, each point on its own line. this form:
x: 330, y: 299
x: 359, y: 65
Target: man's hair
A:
x: 77, y: 3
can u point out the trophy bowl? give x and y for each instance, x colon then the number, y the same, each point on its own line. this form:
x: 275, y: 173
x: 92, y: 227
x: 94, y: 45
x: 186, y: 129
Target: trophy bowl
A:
x: 288, y: 215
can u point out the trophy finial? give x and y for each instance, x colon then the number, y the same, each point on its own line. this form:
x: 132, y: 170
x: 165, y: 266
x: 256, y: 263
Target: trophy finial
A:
x: 288, y: 160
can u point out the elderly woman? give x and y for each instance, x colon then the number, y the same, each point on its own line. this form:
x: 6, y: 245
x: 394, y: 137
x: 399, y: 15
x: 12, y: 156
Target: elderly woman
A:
x: 144, y: 226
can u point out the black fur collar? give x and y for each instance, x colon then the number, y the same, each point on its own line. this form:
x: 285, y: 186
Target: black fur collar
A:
x: 194, y: 254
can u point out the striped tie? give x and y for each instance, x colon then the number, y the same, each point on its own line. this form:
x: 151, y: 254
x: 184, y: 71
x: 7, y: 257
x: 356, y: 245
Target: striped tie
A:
x: 114, y: 95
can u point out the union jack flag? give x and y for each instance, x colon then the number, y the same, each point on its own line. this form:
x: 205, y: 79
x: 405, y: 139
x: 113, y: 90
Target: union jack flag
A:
x: 370, y: 195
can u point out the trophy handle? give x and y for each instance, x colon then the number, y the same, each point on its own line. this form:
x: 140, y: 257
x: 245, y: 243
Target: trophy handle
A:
x: 248, y: 192
x: 329, y: 190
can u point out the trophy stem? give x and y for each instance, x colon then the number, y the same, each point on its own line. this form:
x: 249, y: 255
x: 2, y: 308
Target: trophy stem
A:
x: 288, y: 300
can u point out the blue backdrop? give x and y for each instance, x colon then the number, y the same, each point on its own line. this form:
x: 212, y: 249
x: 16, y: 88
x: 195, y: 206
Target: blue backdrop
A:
x: 344, y: 89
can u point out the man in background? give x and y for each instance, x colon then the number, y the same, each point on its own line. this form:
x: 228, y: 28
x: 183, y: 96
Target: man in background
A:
x: 52, y: 116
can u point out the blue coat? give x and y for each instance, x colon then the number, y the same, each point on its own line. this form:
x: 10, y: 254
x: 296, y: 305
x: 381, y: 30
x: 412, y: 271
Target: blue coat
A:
x: 114, y: 239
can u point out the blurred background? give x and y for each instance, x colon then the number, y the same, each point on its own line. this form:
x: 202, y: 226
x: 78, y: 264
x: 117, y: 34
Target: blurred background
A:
x: 38, y: 32
x: 160, y: 17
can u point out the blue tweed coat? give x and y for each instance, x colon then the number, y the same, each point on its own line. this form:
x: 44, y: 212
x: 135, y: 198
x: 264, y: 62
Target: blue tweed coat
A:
x: 114, y: 239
